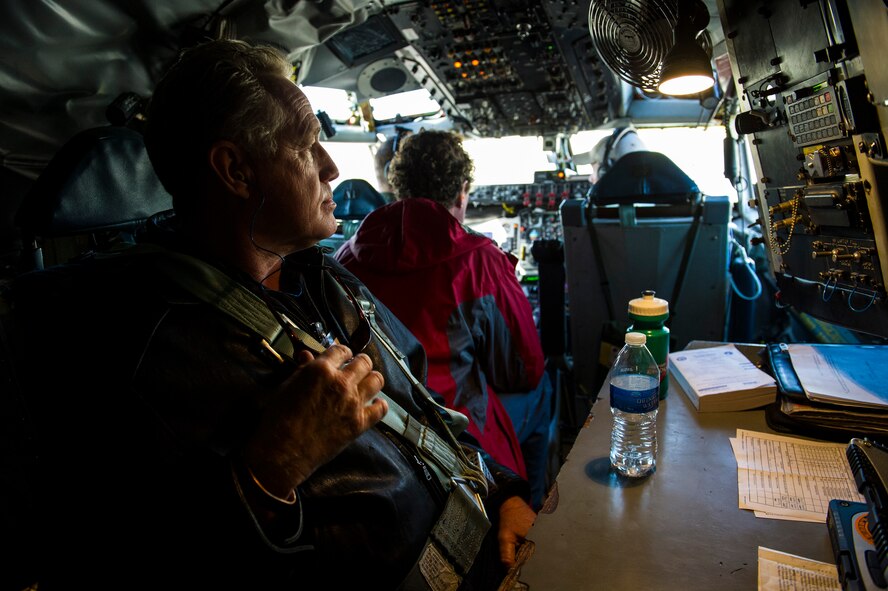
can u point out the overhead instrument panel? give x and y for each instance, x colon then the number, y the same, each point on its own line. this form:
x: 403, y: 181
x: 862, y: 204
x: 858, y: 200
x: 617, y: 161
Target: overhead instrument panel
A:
x: 815, y: 112
x: 508, y: 67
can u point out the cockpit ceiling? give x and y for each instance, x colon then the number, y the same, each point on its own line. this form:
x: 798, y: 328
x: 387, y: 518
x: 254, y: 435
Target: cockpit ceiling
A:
x: 500, y: 68
x: 64, y: 63
x: 497, y: 67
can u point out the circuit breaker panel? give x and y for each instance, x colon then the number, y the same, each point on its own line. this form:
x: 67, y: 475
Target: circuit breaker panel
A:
x: 814, y: 109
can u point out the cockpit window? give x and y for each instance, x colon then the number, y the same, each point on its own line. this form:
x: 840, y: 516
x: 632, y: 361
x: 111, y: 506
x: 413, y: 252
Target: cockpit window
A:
x: 405, y: 105
x: 333, y: 101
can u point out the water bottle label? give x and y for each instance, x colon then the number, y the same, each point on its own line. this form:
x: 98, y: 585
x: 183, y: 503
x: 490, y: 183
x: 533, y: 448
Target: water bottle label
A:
x: 635, y: 393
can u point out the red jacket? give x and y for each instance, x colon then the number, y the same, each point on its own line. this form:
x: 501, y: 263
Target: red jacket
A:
x: 457, y: 292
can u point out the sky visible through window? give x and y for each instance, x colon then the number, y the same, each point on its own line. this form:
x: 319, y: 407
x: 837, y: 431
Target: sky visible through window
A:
x: 513, y: 160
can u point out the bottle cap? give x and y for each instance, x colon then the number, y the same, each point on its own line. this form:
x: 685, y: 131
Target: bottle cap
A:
x: 636, y: 338
x: 648, y: 305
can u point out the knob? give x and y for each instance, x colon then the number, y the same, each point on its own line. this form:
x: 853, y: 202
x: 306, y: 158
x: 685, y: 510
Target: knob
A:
x: 785, y: 206
x: 786, y: 222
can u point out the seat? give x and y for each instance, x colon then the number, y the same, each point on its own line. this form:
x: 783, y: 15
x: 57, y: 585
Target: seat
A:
x: 644, y: 225
x: 355, y: 199
x: 99, y: 185
x: 645, y: 177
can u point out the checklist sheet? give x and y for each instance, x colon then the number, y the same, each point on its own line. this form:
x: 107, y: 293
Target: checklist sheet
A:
x: 789, y: 478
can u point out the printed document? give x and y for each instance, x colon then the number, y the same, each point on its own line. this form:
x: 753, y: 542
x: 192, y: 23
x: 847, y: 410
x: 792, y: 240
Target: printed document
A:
x: 789, y: 478
x: 715, y: 370
x: 843, y: 374
x: 778, y: 571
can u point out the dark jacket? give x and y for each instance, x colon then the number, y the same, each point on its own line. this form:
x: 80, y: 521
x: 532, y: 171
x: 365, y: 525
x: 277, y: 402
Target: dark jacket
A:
x: 456, y: 290
x: 143, y: 396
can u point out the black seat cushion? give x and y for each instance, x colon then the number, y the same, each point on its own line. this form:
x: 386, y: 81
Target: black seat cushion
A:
x: 355, y: 198
x: 645, y: 177
x: 101, y: 179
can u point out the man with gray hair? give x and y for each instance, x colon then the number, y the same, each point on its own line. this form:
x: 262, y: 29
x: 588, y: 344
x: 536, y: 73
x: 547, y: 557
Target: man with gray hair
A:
x: 215, y: 417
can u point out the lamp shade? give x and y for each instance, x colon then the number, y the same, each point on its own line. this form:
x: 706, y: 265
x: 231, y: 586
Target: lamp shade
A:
x: 686, y: 70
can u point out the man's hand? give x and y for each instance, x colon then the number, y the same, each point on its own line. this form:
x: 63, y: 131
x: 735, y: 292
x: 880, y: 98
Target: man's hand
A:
x: 516, y: 517
x: 325, y: 405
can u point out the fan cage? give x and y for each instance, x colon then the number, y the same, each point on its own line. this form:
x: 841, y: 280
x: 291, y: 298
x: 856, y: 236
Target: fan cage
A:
x: 633, y: 37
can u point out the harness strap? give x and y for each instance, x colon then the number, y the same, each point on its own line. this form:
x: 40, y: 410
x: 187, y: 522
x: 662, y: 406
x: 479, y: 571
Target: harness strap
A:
x: 213, y: 287
x: 690, y: 243
x: 217, y: 289
x: 471, y: 470
x: 457, y: 536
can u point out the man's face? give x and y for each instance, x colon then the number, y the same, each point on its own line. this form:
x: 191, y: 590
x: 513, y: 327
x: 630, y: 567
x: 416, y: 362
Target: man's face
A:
x: 295, y: 183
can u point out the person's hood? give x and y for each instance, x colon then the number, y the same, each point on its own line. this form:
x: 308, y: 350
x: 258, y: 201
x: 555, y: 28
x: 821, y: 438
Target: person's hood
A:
x: 411, y: 234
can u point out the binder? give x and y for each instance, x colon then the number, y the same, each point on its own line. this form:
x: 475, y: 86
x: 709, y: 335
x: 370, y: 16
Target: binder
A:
x: 794, y: 412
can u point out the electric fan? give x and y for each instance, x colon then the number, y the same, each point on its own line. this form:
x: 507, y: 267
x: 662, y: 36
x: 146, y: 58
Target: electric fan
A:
x: 633, y: 37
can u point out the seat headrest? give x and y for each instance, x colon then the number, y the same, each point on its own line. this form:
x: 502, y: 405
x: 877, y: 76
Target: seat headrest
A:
x: 101, y: 179
x: 644, y: 177
x: 355, y: 198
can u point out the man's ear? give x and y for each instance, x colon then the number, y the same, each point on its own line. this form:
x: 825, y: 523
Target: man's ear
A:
x: 230, y: 167
x: 463, y: 197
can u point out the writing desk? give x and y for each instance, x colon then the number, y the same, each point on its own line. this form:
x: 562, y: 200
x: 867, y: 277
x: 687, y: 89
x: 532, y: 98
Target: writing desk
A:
x: 680, y: 528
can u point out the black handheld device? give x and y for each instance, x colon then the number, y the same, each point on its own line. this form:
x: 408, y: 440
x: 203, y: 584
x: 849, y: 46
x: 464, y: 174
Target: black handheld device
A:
x: 863, y: 560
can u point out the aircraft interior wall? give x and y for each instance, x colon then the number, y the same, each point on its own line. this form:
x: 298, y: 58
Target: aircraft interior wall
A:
x: 813, y: 108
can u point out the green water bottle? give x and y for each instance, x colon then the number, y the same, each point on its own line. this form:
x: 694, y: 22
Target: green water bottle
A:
x: 648, y: 315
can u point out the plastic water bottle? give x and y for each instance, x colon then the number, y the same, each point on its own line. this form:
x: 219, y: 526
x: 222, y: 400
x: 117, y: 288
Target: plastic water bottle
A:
x: 634, y: 398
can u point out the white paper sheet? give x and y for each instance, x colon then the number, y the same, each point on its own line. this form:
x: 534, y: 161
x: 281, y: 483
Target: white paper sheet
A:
x: 790, y: 478
x: 853, y: 374
x: 778, y: 571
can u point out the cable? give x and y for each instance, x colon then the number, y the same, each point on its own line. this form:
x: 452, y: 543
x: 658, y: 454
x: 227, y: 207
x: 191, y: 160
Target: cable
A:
x: 262, y: 248
x: 749, y: 265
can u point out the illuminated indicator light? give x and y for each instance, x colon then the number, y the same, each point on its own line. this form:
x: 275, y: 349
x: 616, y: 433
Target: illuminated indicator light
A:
x: 475, y: 62
x: 457, y: 65
x: 464, y: 75
x: 482, y: 72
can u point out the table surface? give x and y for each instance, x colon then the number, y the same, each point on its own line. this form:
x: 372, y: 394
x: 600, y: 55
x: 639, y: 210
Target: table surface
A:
x: 680, y: 528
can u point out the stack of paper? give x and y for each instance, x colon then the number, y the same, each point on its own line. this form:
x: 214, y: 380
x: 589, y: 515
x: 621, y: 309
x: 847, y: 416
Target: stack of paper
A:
x: 854, y: 375
x: 840, y: 389
x: 721, y: 379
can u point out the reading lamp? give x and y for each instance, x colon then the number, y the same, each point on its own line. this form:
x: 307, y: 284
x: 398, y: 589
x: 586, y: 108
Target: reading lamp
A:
x: 686, y: 68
